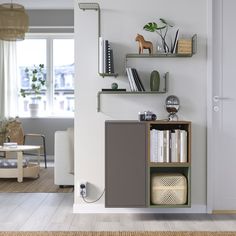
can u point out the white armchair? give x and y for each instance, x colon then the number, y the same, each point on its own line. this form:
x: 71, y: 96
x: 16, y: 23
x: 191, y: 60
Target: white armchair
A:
x: 64, y: 157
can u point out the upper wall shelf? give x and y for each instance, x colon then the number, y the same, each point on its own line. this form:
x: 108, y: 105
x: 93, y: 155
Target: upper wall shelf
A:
x: 166, y: 55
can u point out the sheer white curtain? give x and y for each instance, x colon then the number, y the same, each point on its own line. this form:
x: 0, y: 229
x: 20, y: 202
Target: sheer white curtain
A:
x: 8, y: 79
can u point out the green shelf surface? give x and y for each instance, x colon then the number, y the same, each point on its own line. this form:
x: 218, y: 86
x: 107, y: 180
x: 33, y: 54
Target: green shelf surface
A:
x: 124, y: 93
x: 159, y: 55
x: 108, y: 74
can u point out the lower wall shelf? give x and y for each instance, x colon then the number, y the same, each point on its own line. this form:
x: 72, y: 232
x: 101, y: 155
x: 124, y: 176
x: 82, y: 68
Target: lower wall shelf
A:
x: 117, y: 92
x: 122, y: 93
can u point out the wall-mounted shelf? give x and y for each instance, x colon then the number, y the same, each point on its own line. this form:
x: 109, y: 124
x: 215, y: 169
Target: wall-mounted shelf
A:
x: 108, y: 74
x: 166, y: 55
x: 117, y: 92
x: 156, y: 55
x: 123, y: 93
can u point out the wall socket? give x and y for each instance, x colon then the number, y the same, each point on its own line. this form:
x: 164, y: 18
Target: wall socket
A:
x: 83, y: 189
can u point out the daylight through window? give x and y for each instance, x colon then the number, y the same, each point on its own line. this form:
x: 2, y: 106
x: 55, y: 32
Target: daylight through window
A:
x: 56, y: 97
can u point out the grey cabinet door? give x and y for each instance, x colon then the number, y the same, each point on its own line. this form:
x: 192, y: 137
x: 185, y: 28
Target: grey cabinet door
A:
x: 125, y: 160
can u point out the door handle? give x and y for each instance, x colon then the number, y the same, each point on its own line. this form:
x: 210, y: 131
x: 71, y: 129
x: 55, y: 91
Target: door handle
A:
x: 218, y: 98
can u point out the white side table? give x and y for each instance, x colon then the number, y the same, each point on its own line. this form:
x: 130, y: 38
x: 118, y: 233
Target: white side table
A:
x: 32, y: 170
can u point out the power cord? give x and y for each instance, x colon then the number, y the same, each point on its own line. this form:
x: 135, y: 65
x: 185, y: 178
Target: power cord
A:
x: 84, y: 199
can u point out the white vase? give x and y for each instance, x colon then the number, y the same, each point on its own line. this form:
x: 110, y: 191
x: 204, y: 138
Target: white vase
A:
x: 34, y: 108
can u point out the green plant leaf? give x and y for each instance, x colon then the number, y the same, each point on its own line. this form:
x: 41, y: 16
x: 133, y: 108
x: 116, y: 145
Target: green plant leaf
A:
x: 151, y: 26
x: 165, y: 22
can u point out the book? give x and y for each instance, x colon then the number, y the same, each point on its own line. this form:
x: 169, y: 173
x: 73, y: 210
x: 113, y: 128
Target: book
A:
x: 152, y: 144
x: 136, y: 79
x: 106, y: 53
x: 112, y: 63
x: 160, y: 157
x: 131, y: 80
x: 166, y: 146
x: 173, y: 155
x: 139, y: 80
x: 177, y: 145
x: 183, y: 146
x: 101, y: 55
x: 155, y: 144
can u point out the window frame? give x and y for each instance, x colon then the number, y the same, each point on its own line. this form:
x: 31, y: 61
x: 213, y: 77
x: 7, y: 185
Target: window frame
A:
x: 49, y: 37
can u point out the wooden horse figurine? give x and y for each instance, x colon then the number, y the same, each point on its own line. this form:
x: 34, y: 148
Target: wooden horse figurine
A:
x: 143, y: 44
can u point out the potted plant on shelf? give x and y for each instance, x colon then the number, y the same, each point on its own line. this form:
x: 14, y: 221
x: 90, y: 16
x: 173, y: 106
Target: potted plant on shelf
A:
x: 161, y: 29
x: 37, y: 82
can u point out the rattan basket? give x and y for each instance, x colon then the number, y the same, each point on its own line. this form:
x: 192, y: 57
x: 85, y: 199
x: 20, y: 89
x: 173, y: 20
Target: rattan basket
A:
x: 168, y: 188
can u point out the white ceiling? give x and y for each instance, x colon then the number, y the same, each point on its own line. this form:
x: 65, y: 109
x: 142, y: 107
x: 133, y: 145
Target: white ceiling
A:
x: 43, y: 4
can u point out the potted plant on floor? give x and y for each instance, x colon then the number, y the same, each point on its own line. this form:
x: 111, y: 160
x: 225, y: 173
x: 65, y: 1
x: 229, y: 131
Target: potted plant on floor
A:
x: 37, y: 82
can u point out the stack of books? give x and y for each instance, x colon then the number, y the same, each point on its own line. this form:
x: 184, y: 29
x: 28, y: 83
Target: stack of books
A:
x: 135, y: 82
x: 106, y: 61
x: 168, y: 145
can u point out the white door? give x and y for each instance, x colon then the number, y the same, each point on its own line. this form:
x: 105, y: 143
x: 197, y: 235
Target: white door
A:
x: 223, y: 159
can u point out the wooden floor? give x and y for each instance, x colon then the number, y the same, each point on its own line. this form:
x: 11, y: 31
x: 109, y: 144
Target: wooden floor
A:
x: 53, y: 212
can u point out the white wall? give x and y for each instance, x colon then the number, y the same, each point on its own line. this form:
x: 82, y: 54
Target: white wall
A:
x: 120, y: 22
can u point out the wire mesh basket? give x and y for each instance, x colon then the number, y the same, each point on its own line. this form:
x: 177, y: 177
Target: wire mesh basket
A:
x: 168, y: 188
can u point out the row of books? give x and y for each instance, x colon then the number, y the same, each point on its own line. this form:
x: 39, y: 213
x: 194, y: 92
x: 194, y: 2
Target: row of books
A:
x: 106, y: 61
x: 168, y: 145
x: 135, y: 82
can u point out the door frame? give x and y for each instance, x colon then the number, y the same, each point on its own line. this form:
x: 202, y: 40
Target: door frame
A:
x: 214, y: 60
x: 209, y: 95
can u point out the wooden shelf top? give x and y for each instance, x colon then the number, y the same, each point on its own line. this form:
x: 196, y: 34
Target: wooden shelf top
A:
x: 167, y: 165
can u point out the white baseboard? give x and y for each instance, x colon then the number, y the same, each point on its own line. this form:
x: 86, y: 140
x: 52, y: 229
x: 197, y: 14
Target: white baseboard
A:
x: 100, y: 208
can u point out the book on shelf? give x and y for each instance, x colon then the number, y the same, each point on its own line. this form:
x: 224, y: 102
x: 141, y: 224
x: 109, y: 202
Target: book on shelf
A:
x: 106, y: 61
x: 168, y: 146
x: 173, y: 155
x: 183, y: 146
x: 101, y: 57
x: 139, y: 81
x: 106, y: 51
x: 132, y: 84
x: 134, y: 80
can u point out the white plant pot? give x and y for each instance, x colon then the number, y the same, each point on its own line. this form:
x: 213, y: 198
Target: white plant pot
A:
x: 33, y: 108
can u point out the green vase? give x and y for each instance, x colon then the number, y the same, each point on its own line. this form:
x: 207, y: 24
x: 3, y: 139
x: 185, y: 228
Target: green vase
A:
x: 155, y: 81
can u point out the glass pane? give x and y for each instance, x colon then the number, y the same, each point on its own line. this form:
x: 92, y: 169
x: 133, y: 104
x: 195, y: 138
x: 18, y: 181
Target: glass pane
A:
x: 63, y: 71
x: 30, y: 54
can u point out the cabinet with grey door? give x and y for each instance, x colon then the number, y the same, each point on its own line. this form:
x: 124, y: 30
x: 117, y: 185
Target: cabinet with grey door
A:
x: 129, y: 167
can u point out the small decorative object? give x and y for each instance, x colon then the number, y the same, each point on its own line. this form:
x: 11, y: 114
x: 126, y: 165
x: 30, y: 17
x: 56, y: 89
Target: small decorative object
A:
x: 143, y: 44
x: 172, y: 107
x: 155, y: 81
x: 146, y: 116
x: 159, y: 29
x: 184, y: 46
x: 114, y: 86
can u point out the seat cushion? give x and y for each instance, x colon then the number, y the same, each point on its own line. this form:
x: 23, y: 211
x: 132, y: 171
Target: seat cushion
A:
x: 4, y: 163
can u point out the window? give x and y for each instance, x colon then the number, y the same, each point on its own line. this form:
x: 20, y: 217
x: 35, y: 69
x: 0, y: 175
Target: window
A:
x: 57, y: 55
